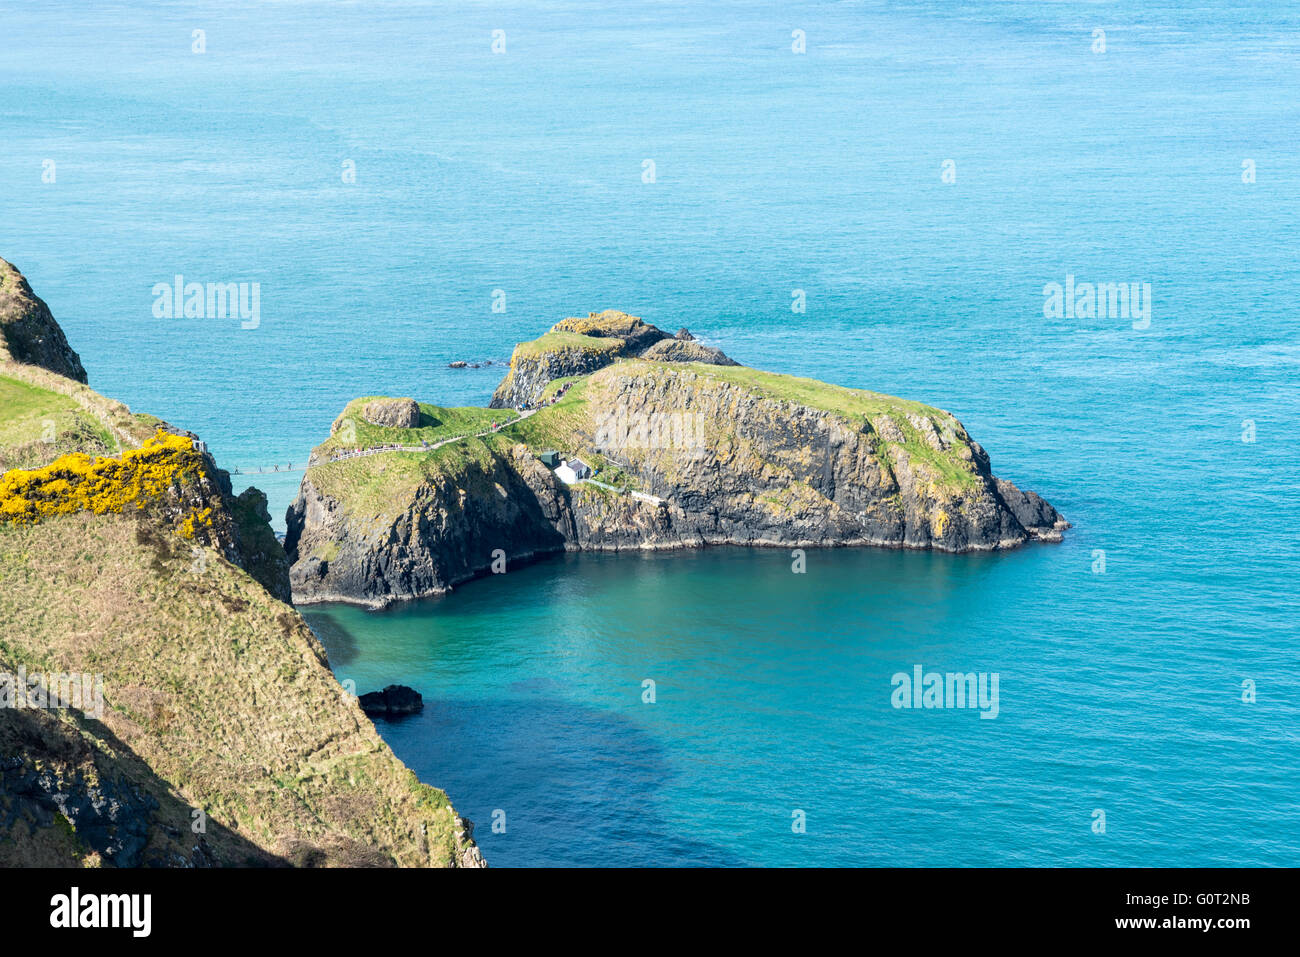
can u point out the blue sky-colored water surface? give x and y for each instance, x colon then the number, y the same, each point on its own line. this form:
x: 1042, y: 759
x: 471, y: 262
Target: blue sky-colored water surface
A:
x: 775, y: 171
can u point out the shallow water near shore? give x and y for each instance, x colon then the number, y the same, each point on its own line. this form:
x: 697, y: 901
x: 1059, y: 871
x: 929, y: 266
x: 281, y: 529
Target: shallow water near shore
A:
x: 1121, y: 653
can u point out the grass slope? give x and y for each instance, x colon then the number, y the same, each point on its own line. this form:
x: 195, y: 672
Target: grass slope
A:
x: 219, y: 689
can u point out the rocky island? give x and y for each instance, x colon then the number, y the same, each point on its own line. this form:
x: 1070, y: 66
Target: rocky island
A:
x: 216, y: 734
x: 672, y: 444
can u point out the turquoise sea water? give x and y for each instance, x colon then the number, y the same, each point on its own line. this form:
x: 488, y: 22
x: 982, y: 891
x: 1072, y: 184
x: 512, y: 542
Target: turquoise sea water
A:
x: 1120, y: 691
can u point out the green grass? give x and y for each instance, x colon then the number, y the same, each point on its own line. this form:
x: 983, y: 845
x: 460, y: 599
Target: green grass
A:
x: 326, y: 551
x: 375, y: 485
x: 37, y: 425
x: 566, y: 341
x: 555, y: 385
x: 949, y: 467
x: 810, y: 392
x: 26, y: 408
x: 436, y: 424
x: 554, y: 426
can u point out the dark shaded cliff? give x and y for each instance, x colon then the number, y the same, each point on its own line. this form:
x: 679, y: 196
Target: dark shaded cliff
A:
x: 28, y: 332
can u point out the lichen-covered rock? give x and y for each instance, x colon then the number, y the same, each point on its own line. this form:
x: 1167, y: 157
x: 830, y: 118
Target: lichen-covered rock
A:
x: 687, y: 350
x: 635, y: 333
x: 392, y: 413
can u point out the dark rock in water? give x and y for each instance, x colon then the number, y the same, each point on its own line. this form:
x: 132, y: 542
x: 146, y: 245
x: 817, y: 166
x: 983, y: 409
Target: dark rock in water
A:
x: 458, y: 364
x: 1032, y: 511
x: 684, y: 334
x: 393, y: 700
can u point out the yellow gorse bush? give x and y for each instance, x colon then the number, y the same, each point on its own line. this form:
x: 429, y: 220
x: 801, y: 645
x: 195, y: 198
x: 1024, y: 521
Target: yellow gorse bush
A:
x: 79, y: 483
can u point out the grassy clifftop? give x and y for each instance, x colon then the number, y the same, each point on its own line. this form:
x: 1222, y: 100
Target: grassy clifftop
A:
x: 379, y: 486
x: 352, y: 430
x: 44, y: 415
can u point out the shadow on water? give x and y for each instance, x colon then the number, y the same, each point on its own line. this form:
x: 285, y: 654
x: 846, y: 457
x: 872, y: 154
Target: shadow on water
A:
x: 340, y: 645
x: 562, y: 773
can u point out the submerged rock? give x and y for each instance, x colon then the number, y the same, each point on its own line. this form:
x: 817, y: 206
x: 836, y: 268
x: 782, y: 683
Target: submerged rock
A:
x: 393, y: 700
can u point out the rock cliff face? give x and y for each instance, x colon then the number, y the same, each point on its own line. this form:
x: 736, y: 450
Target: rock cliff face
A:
x: 694, y: 454
x: 28, y: 332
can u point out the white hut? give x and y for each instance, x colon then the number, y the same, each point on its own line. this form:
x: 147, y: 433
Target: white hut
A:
x: 571, y: 471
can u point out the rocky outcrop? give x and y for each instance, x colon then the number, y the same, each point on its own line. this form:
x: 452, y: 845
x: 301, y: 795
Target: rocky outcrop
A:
x: 532, y: 371
x: 577, y: 347
x: 444, y: 533
x: 468, y: 852
x: 687, y: 350
x: 28, y: 332
x: 65, y: 801
x: 696, y: 458
x: 633, y: 332
x: 392, y: 413
x: 256, y: 548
